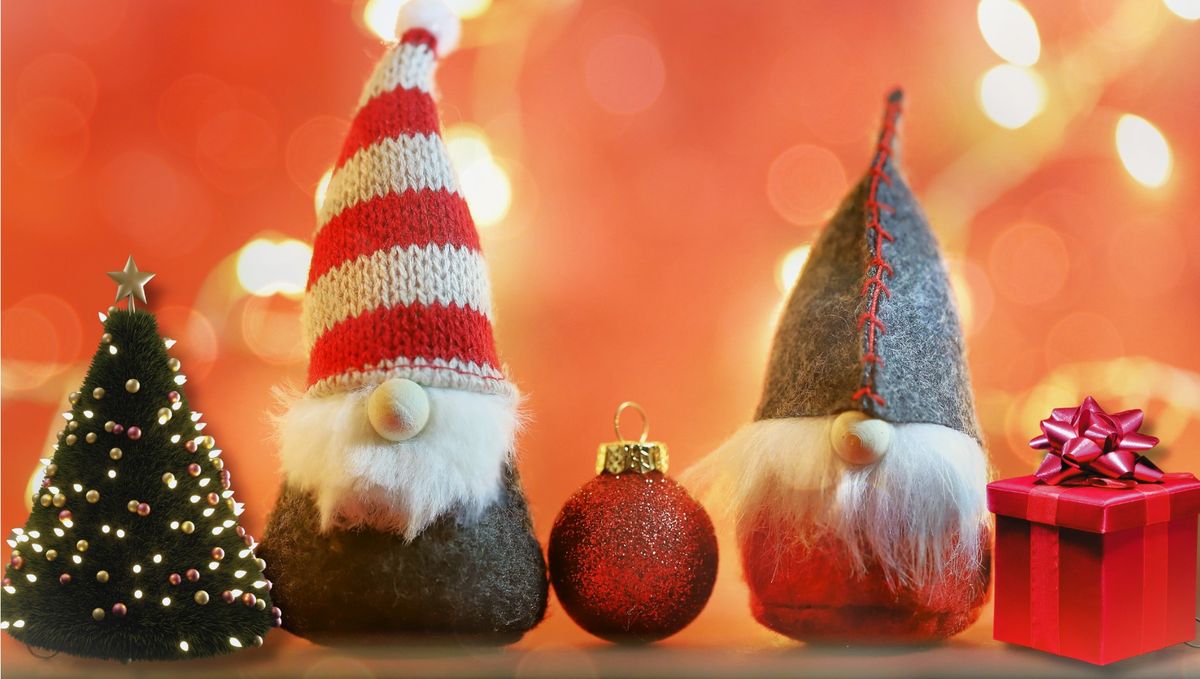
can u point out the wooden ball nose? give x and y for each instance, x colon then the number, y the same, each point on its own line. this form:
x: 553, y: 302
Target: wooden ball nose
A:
x: 858, y: 439
x: 398, y: 409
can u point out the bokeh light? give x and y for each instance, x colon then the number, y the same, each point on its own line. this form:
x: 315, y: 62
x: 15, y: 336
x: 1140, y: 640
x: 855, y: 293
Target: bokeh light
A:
x: 1187, y: 9
x: 236, y: 149
x: 790, y: 266
x: 48, y: 137
x: 1064, y: 345
x: 1011, y: 96
x: 66, y: 330
x: 270, y: 330
x: 86, y: 23
x: 322, y: 189
x: 485, y: 184
x: 805, y: 183
x: 972, y: 293
x: 625, y: 73
x: 33, y: 486
x: 1148, y: 250
x: 469, y: 9
x: 310, y: 148
x: 1143, y: 150
x: 1127, y: 27
x: 380, y: 17
x: 41, y: 336
x: 1010, y: 31
x: 1029, y: 263
x: 59, y: 75
x: 187, y: 104
x: 1024, y: 413
x: 30, y: 347
x: 198, y: 343
x: 268, y: 267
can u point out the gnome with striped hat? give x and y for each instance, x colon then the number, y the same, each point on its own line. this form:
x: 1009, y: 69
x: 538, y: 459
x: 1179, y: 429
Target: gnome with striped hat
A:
x: 858, y: 490
x: 401, y: 511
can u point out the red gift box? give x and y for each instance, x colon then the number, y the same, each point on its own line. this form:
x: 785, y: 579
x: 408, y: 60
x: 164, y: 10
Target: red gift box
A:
x: 1097, y: 574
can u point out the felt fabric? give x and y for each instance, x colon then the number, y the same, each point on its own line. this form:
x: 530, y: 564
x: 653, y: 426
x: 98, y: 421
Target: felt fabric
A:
x: 895, y: 549
x: 823, y: 354
x: 483, y: 583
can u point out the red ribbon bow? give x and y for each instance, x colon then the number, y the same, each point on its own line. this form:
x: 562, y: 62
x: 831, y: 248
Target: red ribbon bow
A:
x: 1088, y: 446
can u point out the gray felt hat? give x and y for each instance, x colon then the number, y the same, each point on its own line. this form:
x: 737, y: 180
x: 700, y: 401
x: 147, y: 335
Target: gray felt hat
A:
x: 871, y: 324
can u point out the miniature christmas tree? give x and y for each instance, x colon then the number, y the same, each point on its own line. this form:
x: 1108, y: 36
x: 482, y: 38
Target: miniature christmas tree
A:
x: 133, y: 548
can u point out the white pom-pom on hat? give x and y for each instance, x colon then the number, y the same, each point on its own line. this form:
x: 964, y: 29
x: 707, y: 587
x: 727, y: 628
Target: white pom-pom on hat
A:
x: 434, y: 16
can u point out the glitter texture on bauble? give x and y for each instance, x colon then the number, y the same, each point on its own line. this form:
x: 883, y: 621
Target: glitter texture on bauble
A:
x: 633, y: 557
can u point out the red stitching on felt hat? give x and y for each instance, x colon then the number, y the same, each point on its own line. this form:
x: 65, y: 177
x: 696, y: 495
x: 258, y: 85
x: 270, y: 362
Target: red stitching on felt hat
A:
x: 878, y: 269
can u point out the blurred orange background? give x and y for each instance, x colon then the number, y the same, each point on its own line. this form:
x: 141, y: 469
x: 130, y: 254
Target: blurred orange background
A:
x: 645, y: 177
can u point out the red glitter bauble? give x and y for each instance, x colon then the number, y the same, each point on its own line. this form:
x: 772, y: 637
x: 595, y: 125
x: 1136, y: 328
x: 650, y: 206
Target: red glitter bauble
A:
x: 633, y: 557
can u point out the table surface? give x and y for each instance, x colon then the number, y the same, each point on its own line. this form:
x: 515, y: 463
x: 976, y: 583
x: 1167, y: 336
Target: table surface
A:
x: 287, y: 655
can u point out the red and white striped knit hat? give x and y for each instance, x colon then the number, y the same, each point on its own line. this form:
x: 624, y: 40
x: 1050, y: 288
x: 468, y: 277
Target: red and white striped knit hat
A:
x: 407, y: 414
x: 398, y: 286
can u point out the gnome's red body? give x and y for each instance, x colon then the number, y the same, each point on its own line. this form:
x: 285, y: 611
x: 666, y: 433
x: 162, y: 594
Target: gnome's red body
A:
x: 804, y: 592
x: 859, y: 488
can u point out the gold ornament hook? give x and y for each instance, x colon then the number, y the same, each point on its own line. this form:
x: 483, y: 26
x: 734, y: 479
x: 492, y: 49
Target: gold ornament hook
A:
x: 623, y: 455
x: 617, y: 421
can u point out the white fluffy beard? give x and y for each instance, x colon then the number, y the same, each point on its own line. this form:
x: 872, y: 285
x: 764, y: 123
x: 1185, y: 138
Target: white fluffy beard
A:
x: 919, y: 509
x: 455, y: 465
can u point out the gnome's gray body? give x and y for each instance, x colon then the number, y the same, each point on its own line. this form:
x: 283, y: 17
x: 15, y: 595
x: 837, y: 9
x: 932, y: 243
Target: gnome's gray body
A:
x: 480, y: 583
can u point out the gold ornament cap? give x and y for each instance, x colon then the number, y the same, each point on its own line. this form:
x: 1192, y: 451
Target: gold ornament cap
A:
x: 641, y: 456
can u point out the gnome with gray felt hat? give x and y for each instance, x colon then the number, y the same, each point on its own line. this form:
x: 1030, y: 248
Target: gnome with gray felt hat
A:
x: 858, y: 490
x: 401, y: 513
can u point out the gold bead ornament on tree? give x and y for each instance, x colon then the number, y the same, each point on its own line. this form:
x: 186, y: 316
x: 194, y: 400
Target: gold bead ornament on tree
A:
x: 633, y: 557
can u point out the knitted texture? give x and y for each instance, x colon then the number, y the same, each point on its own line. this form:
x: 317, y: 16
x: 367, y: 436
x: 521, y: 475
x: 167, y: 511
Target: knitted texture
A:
x: 398, y: 286
x: 871, y: 324
x: 485, y: 582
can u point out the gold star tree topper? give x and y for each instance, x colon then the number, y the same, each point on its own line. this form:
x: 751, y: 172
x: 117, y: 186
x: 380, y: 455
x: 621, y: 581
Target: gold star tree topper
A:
x: 131, y: 283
